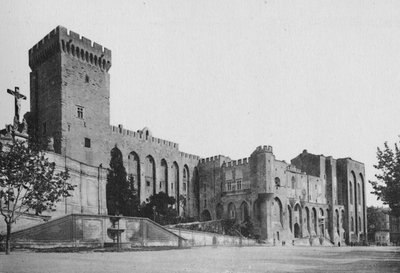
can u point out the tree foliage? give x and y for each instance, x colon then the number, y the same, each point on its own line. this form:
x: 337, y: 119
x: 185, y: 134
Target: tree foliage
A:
x: 122, y: 197
x: 28, y: 182
x: 159, y: 207
x: 387, y: 186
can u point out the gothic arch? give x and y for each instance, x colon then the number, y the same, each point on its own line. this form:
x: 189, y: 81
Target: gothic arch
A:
x: 205, y: 216
x: 150, y: 175
x: 356, y: 201
x: 163, y: 176
x: 322, y: 223
x: 244, y: 211
x: 290, y: 218
x: 175, y: 183
x: 277, y: 212
x: 315, y: 220
x: 362, y: 199
x: 231, y: 211
x: 185, y: 182
x: 308, y: 220
x: 134, y: 171
x: 337, y: 221
x: 298, y: 219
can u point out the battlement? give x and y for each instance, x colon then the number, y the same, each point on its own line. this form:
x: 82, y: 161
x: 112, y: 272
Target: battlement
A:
x: 239, y: 162
x: 265, y: 148
x: 189, y: 156
x: 215, y: 158
x: 69, y: 42
x: 141, y: 135
x: 292, y: 168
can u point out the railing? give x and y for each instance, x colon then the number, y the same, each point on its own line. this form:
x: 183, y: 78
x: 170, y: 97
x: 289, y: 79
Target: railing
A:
x: 232, y: 187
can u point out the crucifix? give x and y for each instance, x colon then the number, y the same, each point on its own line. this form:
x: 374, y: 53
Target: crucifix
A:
x: 17, y: 97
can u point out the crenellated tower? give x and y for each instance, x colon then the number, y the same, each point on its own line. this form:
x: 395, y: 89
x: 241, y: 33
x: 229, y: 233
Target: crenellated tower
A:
x: 70, y: 91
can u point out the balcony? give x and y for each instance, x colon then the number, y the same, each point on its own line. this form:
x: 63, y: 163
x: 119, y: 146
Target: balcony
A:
x: 236, y: 187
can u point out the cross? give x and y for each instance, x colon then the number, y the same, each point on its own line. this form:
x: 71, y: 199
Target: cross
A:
x: 17, y: 96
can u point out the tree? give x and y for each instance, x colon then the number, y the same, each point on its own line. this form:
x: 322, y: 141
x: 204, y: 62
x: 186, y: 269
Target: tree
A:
x: 159, y: 208
x: 28, y: 181
x: 387, y: 186
x: 122, y: 198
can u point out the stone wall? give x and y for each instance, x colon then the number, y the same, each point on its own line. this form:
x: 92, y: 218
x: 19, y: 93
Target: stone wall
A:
x: 85, y: 230
x: 201, y: 238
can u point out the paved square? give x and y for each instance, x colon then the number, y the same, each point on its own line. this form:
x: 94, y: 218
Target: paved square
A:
x: 211, y: 259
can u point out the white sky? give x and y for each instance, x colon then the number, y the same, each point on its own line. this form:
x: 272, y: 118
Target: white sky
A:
x: 222, y: 77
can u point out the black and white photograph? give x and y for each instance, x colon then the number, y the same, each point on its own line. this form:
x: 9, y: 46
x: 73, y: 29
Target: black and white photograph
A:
x: 199, y: 136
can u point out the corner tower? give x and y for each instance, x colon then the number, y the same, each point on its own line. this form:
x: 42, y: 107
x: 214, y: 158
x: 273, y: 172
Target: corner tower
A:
x: 69, y: 92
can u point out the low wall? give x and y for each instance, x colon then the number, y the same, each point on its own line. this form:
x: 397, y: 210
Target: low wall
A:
x: 85, y: 230
x: 201, y: 238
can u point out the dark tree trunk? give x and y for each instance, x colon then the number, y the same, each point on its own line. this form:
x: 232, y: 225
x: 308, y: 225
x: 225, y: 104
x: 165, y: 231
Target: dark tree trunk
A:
x: 8, y: 237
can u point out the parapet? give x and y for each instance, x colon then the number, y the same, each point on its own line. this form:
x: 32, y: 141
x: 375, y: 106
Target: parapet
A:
x: 141, y: 135
x: 189, y: 156
x: 69, y: 42
x: 265, y: 148
x: 292, y: 168
x: 239, y: 162
x: 215, y: 158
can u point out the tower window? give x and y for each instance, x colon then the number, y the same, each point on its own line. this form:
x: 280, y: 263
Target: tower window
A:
x: 79, y: 112
x: 86, y: 78
x: 87, y: 142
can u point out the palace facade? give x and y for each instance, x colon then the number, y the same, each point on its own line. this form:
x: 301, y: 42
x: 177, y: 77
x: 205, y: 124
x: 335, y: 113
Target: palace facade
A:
x: 312, y: 197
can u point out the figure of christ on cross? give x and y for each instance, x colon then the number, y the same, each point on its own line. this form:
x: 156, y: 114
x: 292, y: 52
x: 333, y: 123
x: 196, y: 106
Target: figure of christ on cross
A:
x: 17, y: 97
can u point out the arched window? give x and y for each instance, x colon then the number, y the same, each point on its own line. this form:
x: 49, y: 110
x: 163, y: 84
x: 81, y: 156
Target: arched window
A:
x: 232, y: 211
x: 277, y: 182
x: 359, y: 223
x: 73, y: 50
x: 358, y: 194
x: 293, y: 182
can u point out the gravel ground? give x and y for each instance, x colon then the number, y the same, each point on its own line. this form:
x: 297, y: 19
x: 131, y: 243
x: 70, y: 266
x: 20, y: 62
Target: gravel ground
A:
x: 211, y: 259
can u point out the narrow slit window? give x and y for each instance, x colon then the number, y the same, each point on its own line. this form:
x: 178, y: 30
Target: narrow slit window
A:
x: 87, y: 142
